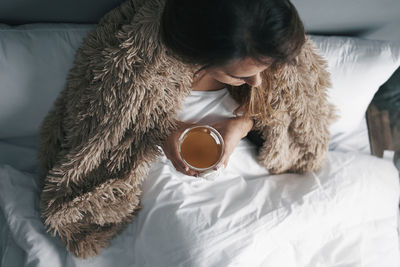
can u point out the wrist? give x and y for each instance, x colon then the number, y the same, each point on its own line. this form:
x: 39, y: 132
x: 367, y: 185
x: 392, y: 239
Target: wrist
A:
x: 246, y: 125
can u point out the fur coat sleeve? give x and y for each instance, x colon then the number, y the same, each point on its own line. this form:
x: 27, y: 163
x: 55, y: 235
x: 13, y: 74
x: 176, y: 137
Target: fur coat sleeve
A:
x: 295, y: 137
x: 119, y: 103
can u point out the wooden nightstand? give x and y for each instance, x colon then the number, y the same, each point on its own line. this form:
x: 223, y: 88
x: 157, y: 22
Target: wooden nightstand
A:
x: 383, y: 130
x: 383, y: 119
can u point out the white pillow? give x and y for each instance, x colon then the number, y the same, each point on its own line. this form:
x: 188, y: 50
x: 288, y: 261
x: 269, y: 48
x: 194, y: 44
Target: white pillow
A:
x: 34, y: 63
x: 358, y: 68
x: 35, y: 59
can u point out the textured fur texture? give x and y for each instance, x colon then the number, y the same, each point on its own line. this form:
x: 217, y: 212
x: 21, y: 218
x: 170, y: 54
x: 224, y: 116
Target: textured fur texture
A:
x: 120, y: 102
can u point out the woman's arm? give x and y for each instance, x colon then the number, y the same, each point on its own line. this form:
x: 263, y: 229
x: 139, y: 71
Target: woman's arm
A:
x: 296, y: 139
x: 105, y: 130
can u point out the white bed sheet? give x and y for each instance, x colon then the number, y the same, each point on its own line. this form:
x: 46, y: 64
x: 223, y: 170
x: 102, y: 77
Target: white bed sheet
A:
x: 344, y: 215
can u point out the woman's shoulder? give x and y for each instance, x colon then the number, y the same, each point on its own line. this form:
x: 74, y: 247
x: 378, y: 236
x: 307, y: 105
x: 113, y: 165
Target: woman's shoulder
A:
x: 307, y: 72
x: 126, y: 39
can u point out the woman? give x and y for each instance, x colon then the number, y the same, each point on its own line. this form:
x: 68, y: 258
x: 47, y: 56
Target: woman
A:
x: 129, y: 82
x: 234, y: 43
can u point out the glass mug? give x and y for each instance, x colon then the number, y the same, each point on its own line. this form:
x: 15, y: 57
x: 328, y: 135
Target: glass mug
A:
x: 201, y: 148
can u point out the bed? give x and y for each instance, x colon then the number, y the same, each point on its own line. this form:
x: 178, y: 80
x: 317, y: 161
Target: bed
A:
x: 346, y: 214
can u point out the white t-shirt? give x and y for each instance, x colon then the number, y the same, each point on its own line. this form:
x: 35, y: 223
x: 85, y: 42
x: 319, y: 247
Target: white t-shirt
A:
x: 207, y: 107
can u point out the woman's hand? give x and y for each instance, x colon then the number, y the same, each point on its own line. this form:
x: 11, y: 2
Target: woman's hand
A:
x: 232, y: 131
x: 171, y: 150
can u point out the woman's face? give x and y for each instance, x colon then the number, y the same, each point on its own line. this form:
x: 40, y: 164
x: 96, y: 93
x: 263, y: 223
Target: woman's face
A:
x: 238, y: 72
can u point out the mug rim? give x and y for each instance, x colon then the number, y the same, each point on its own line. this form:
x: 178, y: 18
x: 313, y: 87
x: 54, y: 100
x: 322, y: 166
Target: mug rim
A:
x: 212, y: 129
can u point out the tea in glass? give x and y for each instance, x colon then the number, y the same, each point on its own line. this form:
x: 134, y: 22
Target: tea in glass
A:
x: 201, y: 147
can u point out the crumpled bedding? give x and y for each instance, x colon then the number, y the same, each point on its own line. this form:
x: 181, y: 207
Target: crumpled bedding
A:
x: 344, y: 215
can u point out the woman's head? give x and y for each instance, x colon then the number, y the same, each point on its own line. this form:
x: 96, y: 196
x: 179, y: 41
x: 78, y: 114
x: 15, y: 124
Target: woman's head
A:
x: 216, y: 33
x: 234, y: 41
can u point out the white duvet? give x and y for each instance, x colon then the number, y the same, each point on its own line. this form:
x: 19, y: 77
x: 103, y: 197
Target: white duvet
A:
x: 344, y: 215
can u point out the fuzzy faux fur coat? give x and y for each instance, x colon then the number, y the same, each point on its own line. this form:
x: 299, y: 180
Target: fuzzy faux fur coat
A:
x: 121, y: 100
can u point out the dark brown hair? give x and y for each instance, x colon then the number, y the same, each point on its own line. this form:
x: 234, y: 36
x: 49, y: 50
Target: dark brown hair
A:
x: 212, y: 33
